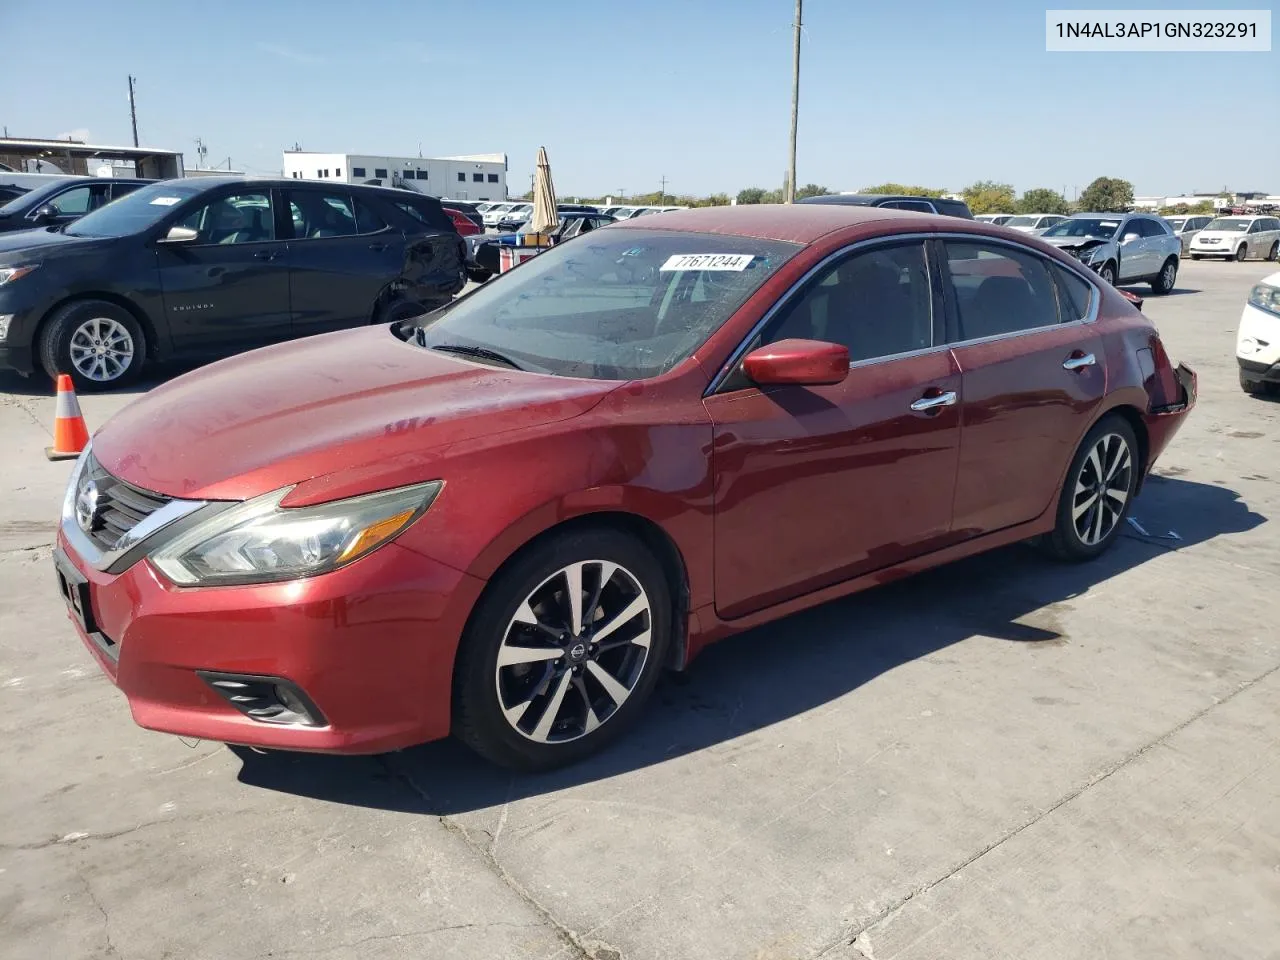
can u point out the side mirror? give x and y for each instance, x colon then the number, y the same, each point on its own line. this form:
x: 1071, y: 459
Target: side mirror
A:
x: 797, y: 362
x: 47, y: 213
x: 1129, y: 237
x: 179, y: 235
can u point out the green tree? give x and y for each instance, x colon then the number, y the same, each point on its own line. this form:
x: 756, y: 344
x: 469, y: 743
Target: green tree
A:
x: 1043, y: 200
x: 1107, y: 195
x: 811, y: 190
x: 988, y: 196
x: 752, y: 195
x: 904, y: 190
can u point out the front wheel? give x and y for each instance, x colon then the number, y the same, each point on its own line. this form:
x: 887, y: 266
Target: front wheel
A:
x: 1099, y: 488
x: 1164, y: 281
x: 97, y: 342
x: 563, y: 650
x: 1195, y: 256
x: 1108, y: 273
x: 1241, y: 253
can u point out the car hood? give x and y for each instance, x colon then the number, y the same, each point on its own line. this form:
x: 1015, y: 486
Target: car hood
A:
x: 361, y: 408
x: 1068, y: 243
x: 24, y: 246
x: 1220, y: 234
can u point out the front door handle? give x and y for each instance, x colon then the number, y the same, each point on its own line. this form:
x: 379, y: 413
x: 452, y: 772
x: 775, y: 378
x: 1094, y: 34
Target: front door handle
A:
x: 1078, y: 361
x: 266, y: 255
x: 377, y: 247
x: 925, y: 404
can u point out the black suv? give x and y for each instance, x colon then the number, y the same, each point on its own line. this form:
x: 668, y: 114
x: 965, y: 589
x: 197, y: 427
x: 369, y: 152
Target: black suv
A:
x: 951, y: 208
x: 195, y: 268
x: 63, y: 201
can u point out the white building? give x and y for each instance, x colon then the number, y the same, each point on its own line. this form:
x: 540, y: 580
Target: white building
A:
x: 479, y: 177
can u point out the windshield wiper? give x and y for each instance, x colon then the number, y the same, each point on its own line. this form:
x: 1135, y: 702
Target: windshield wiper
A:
x: 480, y: 353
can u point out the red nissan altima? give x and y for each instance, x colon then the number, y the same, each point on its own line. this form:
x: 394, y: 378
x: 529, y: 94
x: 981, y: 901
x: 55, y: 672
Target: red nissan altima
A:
x: 505, y: 518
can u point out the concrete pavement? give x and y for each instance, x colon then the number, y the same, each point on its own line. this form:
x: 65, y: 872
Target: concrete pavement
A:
x: 1003, y: 758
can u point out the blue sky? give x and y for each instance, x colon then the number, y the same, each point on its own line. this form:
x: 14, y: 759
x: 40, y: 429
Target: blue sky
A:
x: 936, y: 93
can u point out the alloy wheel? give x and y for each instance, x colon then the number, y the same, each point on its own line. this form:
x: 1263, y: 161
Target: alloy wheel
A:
x: 1274, y: 252
x: 1102, y: 489
x: 573, y: 651
x: 101, y: 349
x: 1168, y: 275
x: 1109, y: 274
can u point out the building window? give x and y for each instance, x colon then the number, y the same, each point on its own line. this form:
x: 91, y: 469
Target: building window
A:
x: 422, y: 174
x: 478, y: 177
x: 337, y: 172
x: 319, y: 174
x: 380, y: 173
x: 462, y: 178
x: 357, y: 171
x: 493, y: 178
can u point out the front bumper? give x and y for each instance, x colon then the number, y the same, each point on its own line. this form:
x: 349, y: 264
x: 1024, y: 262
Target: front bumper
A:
x: 16, y: 349
x: 370, y: 645
x: 1217, y: 250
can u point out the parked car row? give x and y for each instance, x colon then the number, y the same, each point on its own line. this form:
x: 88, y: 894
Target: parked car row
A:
x: 193, y: 268
x: 1238, y: 238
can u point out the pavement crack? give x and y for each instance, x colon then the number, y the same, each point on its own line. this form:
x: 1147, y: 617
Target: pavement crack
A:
x: 106, y: 921
x: 573, y: 941
x: 850, y: 937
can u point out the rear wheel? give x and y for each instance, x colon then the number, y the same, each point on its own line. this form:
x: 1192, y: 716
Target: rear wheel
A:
x: 1164, y: 281
x: 1108, y: 273
x: 1195, y: 256
x: 97, y: 342
x: 1274, y: 252
x: 562, y: 651
x: 1099, y: 488
x: 397, y: 310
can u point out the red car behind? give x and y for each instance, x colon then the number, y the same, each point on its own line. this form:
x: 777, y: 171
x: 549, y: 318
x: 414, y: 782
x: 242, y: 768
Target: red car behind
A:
x: 504, y: 519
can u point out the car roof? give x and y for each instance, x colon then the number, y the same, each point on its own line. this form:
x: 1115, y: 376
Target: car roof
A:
x: 796, y: 223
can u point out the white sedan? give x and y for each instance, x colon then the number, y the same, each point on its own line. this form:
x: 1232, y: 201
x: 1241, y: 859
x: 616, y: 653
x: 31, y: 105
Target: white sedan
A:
x: 1258, y: 341
x: 1236, y: 238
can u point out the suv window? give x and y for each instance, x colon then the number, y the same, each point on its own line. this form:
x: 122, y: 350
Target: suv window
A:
x: 1272, y: 223
x: 318, y: 215
x: 998, y: 289
x: 368, y: 220
x: 238, y: 218
x: 424, y: 214
x: 923, y: 206
x: 875, y: 302
x: 1145, y: 227
x: 1255, y: 227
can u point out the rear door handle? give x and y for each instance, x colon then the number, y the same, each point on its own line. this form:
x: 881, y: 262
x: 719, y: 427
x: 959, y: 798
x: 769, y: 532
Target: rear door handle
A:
x: 925, y: 404
x: 1078, y: 361
x: 377, y: 247
x: 266, y: 255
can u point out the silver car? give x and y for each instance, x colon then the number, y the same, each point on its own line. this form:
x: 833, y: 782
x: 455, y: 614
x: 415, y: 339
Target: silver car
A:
x: 1121, y: 247
x: 1186, y: 227
x: 1033, y: 223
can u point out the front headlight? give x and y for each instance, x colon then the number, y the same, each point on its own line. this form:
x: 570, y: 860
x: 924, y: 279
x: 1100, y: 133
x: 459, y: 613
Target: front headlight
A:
x: 259, y: 541
x: 1265, y: 297
x: 10, y: 274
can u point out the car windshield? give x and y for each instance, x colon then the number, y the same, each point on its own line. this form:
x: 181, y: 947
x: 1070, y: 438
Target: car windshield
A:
x: 134, y: 212
x: 1083, y: 227
x: 1021, y: 221
x: 1229, y: 225
x: 618, y: 304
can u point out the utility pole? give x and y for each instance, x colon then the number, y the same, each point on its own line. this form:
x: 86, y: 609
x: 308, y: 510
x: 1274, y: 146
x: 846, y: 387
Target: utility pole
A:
x: 133, y: 111
x: 662, y: 197
x: 790, y: 195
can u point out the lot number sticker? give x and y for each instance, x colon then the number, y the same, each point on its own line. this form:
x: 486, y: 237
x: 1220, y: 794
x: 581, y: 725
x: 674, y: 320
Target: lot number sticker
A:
x: 708, y: 261
x: 165, y: 201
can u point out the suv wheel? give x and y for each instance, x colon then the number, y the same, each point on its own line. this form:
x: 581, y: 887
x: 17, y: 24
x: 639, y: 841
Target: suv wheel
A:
x: 1164, y: 281
x: 1241, y: 253
x: 1274, y: 252
x: 98, y: 343
x: 1108, y: 273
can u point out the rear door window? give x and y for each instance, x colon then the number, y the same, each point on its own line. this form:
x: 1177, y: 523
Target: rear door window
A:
x: 368, y: 220
x: 999, y: 290
x: 1075, y: 295
x: 321, y: 214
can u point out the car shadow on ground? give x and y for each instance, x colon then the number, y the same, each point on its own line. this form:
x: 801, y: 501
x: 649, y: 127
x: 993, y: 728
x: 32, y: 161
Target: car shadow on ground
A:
x: 1146, y: 293
x: 778, y: 671
x: 40, y: 385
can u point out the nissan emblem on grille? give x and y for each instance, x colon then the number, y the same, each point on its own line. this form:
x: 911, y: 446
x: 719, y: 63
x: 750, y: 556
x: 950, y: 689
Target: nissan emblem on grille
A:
x: 87, y: 505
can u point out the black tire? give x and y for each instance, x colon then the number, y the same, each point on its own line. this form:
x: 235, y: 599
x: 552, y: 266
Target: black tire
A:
x: 55, y: 344
x: 1274, y: 252
x: 1164, y: 281
x: 1241, y: 252
x: 478, y: 275
x: 478, y: 716
x: 395, y: 310
x: 1195, y: 256
x: 1108, y: 273
x: 1250, y: 386
x: 1066, y: 542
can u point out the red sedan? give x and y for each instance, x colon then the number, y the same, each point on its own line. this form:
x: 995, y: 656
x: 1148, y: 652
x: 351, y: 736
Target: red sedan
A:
x: 505, y: 518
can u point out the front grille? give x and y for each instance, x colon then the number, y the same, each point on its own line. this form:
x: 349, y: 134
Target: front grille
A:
x: 116, y: 507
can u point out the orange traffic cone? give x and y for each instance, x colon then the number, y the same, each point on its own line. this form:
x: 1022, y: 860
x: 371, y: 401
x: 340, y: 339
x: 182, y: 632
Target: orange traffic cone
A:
x: 69, y: 431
